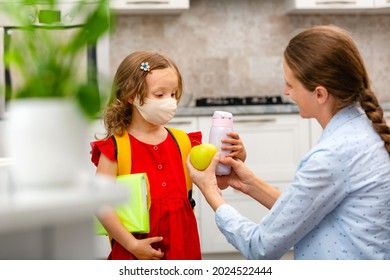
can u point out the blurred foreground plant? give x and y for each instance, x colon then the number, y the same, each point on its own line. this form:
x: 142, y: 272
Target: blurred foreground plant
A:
x: 50, y: 62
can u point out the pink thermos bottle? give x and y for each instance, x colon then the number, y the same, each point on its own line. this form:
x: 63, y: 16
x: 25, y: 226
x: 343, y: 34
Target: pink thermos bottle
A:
x: 221, y: 125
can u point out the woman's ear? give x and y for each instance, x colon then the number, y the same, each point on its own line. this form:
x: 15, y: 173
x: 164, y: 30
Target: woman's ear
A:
x: 322, y: 94
x: 130, y: 100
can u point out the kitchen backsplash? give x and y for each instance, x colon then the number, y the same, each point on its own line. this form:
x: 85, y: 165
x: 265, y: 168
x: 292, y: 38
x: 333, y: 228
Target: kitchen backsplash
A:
x: 234, y: 48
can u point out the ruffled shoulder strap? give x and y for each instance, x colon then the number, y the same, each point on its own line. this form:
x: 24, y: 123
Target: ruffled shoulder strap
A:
x: 106, y: 147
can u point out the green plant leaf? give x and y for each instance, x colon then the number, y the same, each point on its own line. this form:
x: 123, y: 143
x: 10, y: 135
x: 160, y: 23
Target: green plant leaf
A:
x: 89, y: 99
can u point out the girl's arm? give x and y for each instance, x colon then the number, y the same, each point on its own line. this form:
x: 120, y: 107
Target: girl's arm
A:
x: 141, y: 249
x: 236, y: 146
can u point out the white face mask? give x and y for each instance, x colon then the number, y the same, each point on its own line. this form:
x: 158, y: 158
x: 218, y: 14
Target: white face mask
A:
x: 157, y: 111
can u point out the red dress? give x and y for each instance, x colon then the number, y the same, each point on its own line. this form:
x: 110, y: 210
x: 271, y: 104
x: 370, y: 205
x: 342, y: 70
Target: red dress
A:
x: 171, y: 214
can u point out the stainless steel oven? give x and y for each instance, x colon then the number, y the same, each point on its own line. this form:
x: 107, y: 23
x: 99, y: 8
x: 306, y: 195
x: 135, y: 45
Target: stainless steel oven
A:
x: 67, y: 22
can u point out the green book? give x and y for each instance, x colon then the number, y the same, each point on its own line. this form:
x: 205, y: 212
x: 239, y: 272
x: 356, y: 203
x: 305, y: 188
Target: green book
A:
x: 134, y: 213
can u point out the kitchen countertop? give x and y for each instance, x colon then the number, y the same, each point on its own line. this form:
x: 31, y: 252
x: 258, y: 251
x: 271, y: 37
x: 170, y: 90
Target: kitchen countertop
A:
x: 247, y: 110
x: 238, y: 110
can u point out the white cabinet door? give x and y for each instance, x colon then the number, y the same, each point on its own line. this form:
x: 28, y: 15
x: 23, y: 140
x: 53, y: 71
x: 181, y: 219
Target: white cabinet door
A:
x: 275, y: 144
x: 382, y: 3
x: 329, y: 6
x: 188, y: 124
x: 387, y: 117
x: 149, y: 6
x: 315, y: 132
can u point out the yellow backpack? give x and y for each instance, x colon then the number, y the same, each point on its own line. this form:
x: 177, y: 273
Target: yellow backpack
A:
x: 183, y: 143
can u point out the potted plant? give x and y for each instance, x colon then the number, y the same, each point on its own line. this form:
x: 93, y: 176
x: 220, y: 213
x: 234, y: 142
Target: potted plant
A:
x: 50, y: 107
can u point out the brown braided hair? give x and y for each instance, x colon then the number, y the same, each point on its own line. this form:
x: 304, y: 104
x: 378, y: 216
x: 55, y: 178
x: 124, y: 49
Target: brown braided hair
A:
x: 328, y: 56
x: 130, y: 82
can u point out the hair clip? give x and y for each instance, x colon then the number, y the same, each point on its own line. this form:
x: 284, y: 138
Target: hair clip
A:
x: 145, y: 66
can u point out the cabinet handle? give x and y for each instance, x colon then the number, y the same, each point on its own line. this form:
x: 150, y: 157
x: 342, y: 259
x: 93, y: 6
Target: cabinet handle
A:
x: 151, y: 2
x: 268, y: 120
x: 331, y: 2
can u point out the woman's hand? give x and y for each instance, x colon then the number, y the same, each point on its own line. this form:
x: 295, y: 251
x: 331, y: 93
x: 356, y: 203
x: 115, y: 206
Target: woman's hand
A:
x: 240, y: 178
x: 244, y: 180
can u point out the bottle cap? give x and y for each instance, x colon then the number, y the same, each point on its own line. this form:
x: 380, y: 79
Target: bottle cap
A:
x: 222, y: 118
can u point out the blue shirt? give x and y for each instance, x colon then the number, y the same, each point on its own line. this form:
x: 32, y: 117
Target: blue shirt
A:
x: 337, y: 207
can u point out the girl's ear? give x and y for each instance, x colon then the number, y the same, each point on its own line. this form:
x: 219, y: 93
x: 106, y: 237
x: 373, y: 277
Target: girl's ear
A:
x: 130, y: 100
x: 322, y: 94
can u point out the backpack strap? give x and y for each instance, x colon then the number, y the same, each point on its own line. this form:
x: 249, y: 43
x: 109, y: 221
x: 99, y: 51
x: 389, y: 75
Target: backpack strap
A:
x: 184, y: 144
x: 122, y: 144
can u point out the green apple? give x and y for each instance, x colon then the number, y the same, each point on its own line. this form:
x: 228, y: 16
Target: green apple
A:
x: 201, y: 155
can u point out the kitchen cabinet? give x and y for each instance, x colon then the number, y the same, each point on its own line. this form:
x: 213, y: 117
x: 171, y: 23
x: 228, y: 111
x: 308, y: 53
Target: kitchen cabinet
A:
x: 337, y: 7
x: 149, y: 6
x: 315, y: 132
x: 382, y: 4
x: 188, y: 124
x: 387, y: 117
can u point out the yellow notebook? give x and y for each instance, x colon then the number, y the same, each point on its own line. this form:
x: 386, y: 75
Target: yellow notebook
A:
x: 134, y: 214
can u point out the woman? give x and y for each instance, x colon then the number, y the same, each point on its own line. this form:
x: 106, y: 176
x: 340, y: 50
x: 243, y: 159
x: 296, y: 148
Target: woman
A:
x: 338, y: 205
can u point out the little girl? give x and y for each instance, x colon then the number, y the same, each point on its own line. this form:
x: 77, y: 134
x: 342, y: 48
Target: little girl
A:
x: 147, y: 88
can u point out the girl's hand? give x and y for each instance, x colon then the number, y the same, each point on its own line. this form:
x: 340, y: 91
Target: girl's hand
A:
x: 143, y: 250
x: 235, y: 145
